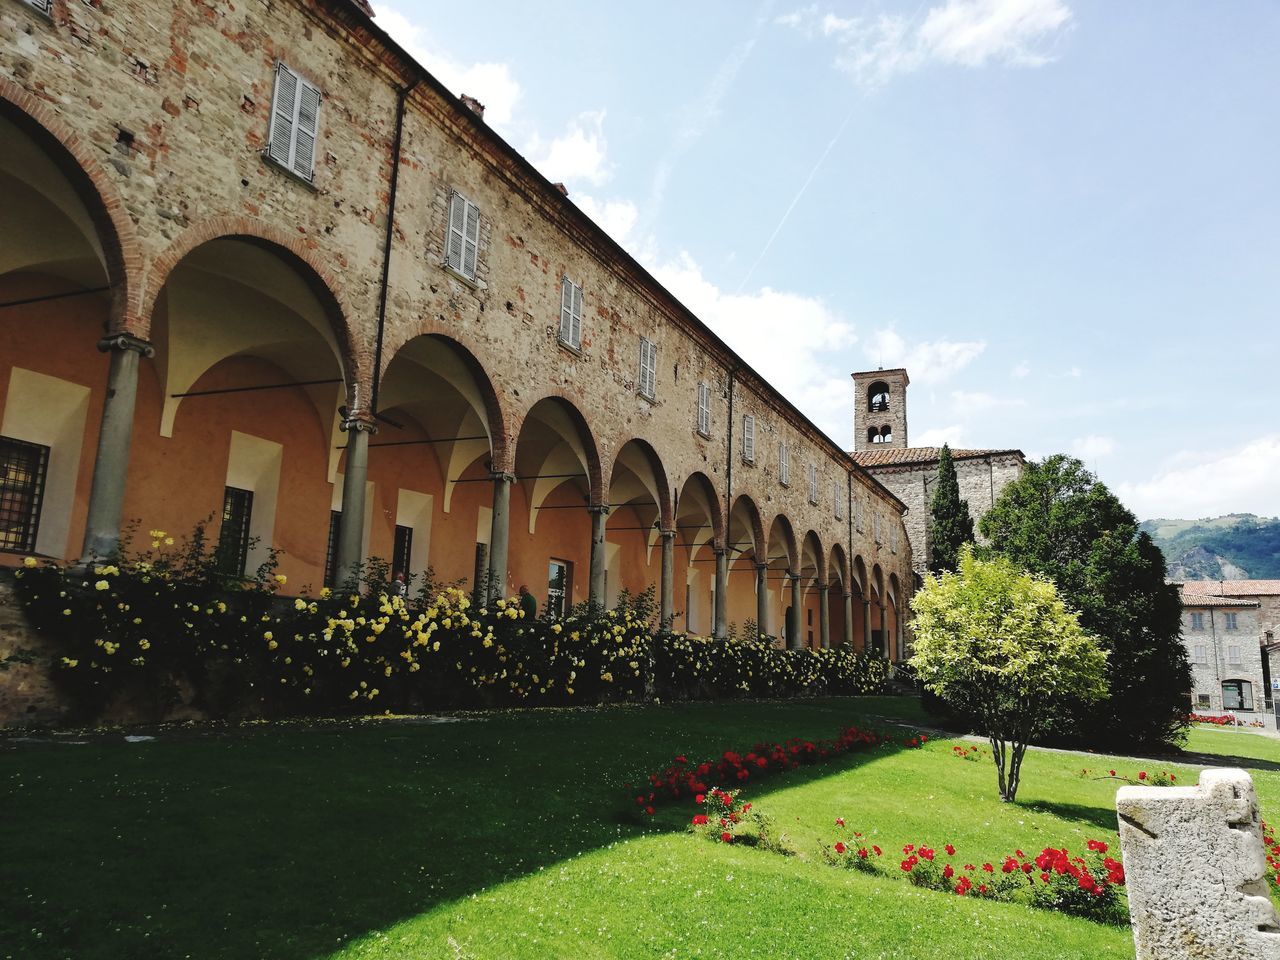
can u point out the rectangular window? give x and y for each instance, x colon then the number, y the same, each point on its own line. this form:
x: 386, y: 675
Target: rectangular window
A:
x: 784, y: 464
x: 875, y: 525
x: 893, y: 538
x: 559, y: 585
x: 1201, y: 653
x: 748, y: 439
x: 857, y: 513
x: 1237, y: 695
x: 704, y: 409
x: 570, y: 313
x: 462, y: 239
x: 331, y: 549
x: 813, y: 483
x: 402, y: 551
x: 1233, y: 655
x: 22, y: 471
x: 42, y: 6
x: 233, y: 540
x: 1202, y: 700
x: 837, y: 497
x: 648, y: 367
x: 295, y: 123
x: 1231, y: 621
x: 1197, y: 621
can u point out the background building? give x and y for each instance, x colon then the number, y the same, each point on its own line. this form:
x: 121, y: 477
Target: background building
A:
x: 880, y: 447
x: 1221, y: 637
x: 1266, y: 595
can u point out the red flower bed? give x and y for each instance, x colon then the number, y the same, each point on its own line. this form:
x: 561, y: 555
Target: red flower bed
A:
x: 733, y: 768
x: 1222, y: 720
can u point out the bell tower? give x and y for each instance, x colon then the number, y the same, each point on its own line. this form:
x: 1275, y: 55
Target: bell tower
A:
x: 880, y: 409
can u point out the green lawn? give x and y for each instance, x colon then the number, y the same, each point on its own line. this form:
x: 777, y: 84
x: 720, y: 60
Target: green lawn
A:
x: 505, y: 835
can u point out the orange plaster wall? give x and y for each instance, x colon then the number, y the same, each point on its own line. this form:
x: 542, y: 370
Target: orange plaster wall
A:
x: 563, y: 534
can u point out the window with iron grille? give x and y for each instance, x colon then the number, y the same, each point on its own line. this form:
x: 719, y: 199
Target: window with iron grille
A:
x: 331, y: 550
x: 570, y: 313
x: 704, y: 409
x: 23, y: 467
x: 295, y: 123
x: 462, y: 239
x: 233, y: 541
x: 748, y: 439
x: 402, y: 551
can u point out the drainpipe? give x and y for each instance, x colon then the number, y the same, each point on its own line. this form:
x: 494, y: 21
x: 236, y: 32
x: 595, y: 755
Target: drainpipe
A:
x: 402, y: 94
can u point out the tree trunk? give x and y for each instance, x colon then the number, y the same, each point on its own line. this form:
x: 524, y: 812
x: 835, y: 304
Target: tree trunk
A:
x: 1015, y: 771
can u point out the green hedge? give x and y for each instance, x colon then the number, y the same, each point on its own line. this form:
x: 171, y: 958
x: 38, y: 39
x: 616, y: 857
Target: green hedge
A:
x: 167, y: 628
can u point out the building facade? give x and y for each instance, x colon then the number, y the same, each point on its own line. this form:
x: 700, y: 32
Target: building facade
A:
x: 880, y: 447
x: 1266, y: 594
x: 258, y: 266
x: 1221, y: 638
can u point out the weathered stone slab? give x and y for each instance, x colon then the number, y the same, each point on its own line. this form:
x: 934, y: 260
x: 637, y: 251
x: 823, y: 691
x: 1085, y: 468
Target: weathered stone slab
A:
x: 1195, y: 867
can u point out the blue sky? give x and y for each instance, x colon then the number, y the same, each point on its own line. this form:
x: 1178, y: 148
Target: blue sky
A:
x: 1060, y: 216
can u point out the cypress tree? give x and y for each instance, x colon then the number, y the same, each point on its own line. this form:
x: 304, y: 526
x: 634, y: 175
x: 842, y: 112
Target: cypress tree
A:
x: 950, y: 526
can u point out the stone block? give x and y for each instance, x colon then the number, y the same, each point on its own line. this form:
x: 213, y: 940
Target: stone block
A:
x: 1195, y: 867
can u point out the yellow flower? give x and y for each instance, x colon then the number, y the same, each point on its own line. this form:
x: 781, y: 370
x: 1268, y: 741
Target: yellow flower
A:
x: 68, y: 662
x: 299, y: 604
x: 607, y: 677
x: 281, y: 579
x: 325, y: 593
x: 271, y: 645
x: 486, y: 642
x: 102, y: 585
x: 144, y: 644
x: 66, y: 613
x: 556, y: 628
x: 168, y: 541
x: 32, y: 562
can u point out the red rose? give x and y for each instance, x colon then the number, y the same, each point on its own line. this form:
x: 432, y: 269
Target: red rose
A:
x: 951, y: 850
x: 700, y: 820
x: 1142, y: 775
x: 839, y: 821
x: 649, y: 811
x: 699, y: 798
x: 840, y: 847
x: 726, y: 837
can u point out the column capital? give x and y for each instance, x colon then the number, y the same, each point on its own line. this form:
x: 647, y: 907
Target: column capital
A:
x: 667, y: 534
x: 599, y: 508
x: 821, y: 585
x: 503, y: 476
x: 358, y: 423
x: 761, y: 564
x: 126, y: 341
x: 720, y: 551
x: 848, y: 594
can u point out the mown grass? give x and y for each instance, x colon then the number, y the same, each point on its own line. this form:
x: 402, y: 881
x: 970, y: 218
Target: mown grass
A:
x: 507, y: 835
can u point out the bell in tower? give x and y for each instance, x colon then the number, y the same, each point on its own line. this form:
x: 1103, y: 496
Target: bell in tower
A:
x: 880, y: 409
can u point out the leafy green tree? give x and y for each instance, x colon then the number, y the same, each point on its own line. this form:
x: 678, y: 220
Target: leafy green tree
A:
x: 1058, y: 521
x: 950, y: 526
x: 999, y: 645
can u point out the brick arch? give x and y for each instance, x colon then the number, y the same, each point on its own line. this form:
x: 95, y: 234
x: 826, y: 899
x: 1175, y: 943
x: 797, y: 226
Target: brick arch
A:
x: 788, y: 531
x: 837, y: 557
x: 715, y: 502
x: 302, y: 257
x: 819, y: 555
x: 502, y: 446
x: 760, y: 542
x: 590, y: 446
x: 665, y: 514
x: 77, y: 160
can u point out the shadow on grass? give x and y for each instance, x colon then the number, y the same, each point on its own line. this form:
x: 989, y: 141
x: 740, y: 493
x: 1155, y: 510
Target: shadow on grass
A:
x: 1104, y: 818
x: 288, y: 841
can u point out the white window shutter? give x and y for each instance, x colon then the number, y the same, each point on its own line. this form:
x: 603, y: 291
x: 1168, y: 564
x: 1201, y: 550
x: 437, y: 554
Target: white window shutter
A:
x: 566, y: 310
x: 306, y: 130
x: 455, y: 231
x: 784, y: 463
x: 704, y: 408
x: 284, y: 103
x: 471, y: 240
x: 575, y: 334
x: 749, y: 438
x: 648, y: 366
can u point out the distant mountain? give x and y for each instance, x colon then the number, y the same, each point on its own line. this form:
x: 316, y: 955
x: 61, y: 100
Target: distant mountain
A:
x: 1239, y: 546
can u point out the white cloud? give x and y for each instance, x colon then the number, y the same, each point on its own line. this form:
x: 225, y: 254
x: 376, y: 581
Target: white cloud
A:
x: 929, y: 361
x: 954, y: 436
x: 617, y: 217
x: 490, y: 83
x: 1204, y: 484
x: 1093, y: 446
x: 972, y: 403
x: 966, y: 33
x: 788, y: 338
x: 1022, y: 371
x: 577, y: 154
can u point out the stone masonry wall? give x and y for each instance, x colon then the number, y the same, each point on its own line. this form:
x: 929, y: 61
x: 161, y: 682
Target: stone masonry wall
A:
x: 1207, y: 675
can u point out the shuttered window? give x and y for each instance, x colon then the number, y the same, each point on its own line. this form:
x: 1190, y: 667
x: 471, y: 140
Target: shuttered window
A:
x: 784, y: 464
x: 704, y: 409
x: 570, y: 313
x: 43, y: 6
x: 837, y: 497
x: 462, y: 244
x: 748, y: 439
x: 648, y: 367
x: 893, y: 538
x: 813, y: 483
x: 295, y: 123
x: 875, y: 526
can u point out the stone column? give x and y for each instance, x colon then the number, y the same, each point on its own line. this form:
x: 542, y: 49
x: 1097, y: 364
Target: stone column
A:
x: 884, y: 633
x: 824, y: 617
x: 797, y: 601
x: 762, y: 598
x: 499, y: 535
x: 351, y: 527
x: 111, y: 467
x: 866, y: 626
x: 598, y: 517
x: 848, y: 619
x: 721, y: 628
x: 668, y: 577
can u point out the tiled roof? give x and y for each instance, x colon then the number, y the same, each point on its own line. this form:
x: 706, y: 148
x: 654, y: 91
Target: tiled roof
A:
x: 1209, y: 600
x: 1232, y: 588
x: 911, y: 455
